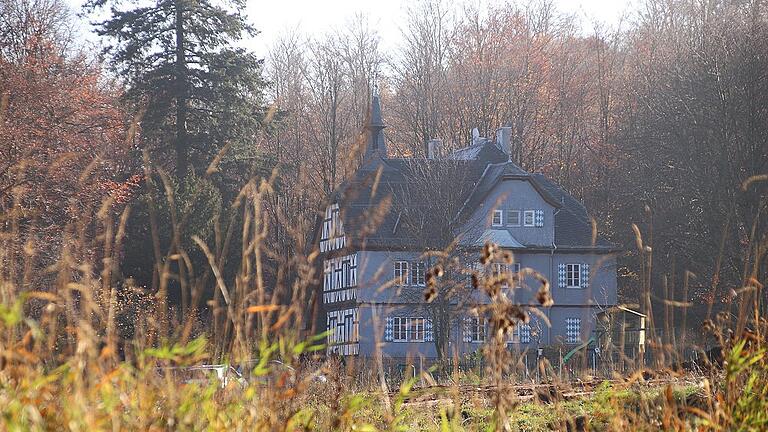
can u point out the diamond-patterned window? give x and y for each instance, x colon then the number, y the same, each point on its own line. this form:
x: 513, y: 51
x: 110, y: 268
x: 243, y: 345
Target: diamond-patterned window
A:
x: 524, y: 333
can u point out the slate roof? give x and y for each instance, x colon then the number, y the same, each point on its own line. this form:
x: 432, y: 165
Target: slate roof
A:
x: 573, y: 226
x: 369, y: 223
x: 500, y: 237
x: 483, y: 149
x: 359, y: 200
x: 481, y: 166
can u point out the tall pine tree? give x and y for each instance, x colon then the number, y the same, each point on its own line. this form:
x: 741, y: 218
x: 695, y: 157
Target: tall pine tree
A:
x: 181, y: 63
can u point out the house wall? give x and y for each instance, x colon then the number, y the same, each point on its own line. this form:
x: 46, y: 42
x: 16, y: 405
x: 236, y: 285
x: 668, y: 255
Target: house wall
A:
x: 372, y: 331
x: 515, y: 195
x: 601, y: 290
x: 558, y: 316
x: 376, y: 274
x: 375, y: 269
x: 373, y: 322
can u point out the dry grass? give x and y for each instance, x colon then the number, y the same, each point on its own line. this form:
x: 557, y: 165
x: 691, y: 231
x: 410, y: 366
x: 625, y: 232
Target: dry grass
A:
x: 64, y: 364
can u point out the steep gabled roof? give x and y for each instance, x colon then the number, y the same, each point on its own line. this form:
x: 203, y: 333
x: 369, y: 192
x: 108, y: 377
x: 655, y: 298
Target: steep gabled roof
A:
x: 573, y: 226
x: 383, y: 179
x: 495, y: 173
x: 480, y: 167
x: 483, y: 149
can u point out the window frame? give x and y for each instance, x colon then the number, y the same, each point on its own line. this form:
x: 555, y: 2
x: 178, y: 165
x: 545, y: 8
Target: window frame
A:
x: 408, y: 329
x: 573, y: 273
x: 476, y: 324
x: 514, y: 268
x: 399, y: 329
x: 532, y: 214
x: 500, y: 213
x: 519, y: 219
x: 418, y: 273
x: 403, y: 268
x: 416, y: 331
x: 516, y: 337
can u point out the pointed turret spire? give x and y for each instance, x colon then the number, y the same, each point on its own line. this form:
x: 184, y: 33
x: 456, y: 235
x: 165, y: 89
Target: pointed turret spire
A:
x: 376, y: 144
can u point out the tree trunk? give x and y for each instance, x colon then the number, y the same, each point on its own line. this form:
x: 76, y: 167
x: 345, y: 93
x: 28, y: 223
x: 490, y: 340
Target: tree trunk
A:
x: 182, y: 156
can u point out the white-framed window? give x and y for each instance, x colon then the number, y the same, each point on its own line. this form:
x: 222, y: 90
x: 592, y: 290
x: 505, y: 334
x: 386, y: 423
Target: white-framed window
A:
x: 572, y: 330
x: 498, y: 218
x: 399, y: 329
x: 416, y: 329
x: 497, y: 269
x: 473, y: 268
x: 401, y: 272
x: 529, y: 218
x: 418, y: 270
x: 573, y: 275
x: 477, y: 329
x: 501, y: 268
x: 405, y: 329
x: 513, y: 217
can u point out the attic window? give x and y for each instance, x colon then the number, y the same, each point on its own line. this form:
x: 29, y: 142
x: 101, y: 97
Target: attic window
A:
x: 513, y: 217
x: 498, y: 218
x: 529, y: 218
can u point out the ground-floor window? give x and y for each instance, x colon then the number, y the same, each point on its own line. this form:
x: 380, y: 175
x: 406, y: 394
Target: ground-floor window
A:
x: 416, y: 329
x: 406, y: 329
x: 476, y: 329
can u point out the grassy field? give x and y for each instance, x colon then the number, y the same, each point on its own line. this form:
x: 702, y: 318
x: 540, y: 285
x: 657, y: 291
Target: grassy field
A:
x: 430, y: 410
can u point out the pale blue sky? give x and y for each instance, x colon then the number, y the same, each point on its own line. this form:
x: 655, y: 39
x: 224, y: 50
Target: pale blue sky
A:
x: 273, y: 17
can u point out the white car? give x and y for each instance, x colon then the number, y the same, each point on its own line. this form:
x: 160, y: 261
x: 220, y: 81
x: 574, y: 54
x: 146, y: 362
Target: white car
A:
x: 203, y: 374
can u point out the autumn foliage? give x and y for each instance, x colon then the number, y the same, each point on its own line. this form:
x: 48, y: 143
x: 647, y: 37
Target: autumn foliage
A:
x: 62, y: 130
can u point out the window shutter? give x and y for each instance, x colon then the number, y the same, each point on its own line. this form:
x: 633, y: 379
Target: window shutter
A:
x: 428, y: 337
x: 585, y: 275
x: 524, y: 331
x: 352, y: 270
x: 572, y: 330
x: 467, y: 330
x: 561, y: 275
x: 539, y: 219
x: 388, y: 329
